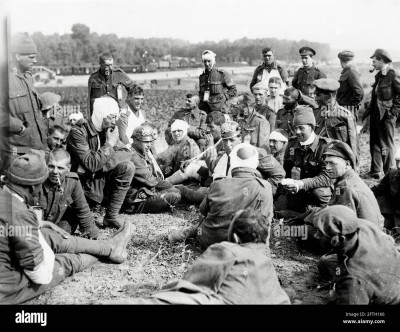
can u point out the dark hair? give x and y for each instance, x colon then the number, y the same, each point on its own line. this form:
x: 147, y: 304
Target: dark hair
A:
x: 250, y: 226
x: 275, y: 80
x: 135, y: 90
x: 215, y: 117
x: 55, y: 128
x: 268, y: 49
x: 248, y: 99
x: 292, y: 91
x: 104, y: 57
x: 59, y: 153
x: 189, y: 95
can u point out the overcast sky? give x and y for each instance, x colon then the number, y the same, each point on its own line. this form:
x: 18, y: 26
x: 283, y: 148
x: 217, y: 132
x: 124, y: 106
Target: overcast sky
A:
x: 344, y: 24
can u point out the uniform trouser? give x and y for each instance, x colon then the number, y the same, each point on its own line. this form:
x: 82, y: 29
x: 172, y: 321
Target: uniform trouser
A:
x: 327, y: 266
x: 382, y: 143
x: 69, y: 222
x: 298, y: 202
x: 193, y: 196
x: 162, y: 201
x: 71, y: 255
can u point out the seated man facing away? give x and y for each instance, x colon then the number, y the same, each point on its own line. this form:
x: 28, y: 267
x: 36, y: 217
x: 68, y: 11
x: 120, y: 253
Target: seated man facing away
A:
x: 63, y: 199
x: 235, y: 272
x: 36, y: 255
x: 387, y: 192
x: 92, y: 148
x: 363, y: 262
x: 183, y: 148
x: 245, y: 189
x: 148, y: 192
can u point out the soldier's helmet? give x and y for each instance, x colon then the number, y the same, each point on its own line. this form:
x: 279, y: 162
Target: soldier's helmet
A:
x: 145, y: 133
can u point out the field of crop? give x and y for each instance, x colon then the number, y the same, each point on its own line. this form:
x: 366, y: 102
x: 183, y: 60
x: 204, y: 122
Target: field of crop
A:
x: 154, y: 260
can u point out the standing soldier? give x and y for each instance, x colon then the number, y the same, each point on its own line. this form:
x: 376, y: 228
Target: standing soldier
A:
x: 216, y: 85
x: 108, y: 81
x: 351, y: 92
x: 303, y: 79
x: 270, y: 68
x: 23, y: 124
x: 384, y: 109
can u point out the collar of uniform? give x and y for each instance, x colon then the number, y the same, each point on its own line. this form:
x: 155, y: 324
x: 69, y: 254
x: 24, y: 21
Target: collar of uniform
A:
x: 208, y: 72
x: 273, y: 65
x: 385, y: 69
x: 346, y: 68
x: 307, y: 69
x: 347, y: 175
x: 245, y: 172
x: 47, y: 185
x: 313, y: 146
x: 139, y: 153
x: 13, y: 193
x: 195, y: 112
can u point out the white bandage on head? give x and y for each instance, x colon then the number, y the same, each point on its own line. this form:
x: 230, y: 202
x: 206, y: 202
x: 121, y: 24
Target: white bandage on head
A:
x: 180, y: 125
x: 277, y: 136
x: 260, y: 86
x: 76, y: 116
x: 102, y: 107
x: 244, y: 155
x: 208, y: 55
x: 397, y: 155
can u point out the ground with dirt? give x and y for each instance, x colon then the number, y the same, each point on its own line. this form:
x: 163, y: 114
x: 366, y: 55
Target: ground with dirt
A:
x: 154, y: 261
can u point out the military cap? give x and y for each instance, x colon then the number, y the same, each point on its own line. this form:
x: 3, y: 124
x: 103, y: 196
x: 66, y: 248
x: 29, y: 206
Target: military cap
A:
x: 306, y: 51
x: 336, y: 220
x: 22, y: 43
x: 230, y: 129
x: 346, y: 55
x: 49, y: 99
x: 303, y: 115
x: 326, y: 84
x: 145, y: 133
x: 383, y: 54
x: 340, y: 149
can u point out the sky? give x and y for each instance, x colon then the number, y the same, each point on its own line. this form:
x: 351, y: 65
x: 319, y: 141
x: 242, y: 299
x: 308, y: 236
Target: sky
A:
x: 344, y: 24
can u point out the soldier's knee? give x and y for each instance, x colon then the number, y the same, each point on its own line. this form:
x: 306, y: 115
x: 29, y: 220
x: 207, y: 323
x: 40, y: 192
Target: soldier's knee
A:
x: 126, y: 168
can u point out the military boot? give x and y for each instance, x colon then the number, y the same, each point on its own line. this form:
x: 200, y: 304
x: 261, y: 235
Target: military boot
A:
x: 112, y: 211
x: 177, y: 178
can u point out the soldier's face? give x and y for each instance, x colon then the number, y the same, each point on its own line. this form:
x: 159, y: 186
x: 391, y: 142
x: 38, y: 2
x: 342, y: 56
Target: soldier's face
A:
x: 276, y: 146
x: 230, y: 143
x: 274, y: 89
x: 55, y: 140
x: 106, y: 66
x: 268, y: 57
x: 303, y: 132
x: 137, y: 101
x: 26, y: 61
x: 322, y: 99
x: 177, y: 135
x: 208, y: 64
x: 143, y: 147
x: 259, y: 97
x: 335, y: 166
x: 306, y: 60
x: 377, y: 64
x: 58, y: 168
x: 109, y: 121
x: 214, y: 130
x: 190, y: 103
x: 289, y: 100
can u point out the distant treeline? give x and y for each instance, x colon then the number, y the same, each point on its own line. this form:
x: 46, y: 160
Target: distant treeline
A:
x: 82, y: 47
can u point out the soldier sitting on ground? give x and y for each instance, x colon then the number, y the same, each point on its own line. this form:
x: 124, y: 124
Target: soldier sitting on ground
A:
x: 40, y: 255
x: 55, y: 137
x: 63, y: 199
x: 277, y: 144
x: 363, y: 262
x: 236, y: 272
x: 148, y: 192
x: 262, y: 105
x: 100, y: 168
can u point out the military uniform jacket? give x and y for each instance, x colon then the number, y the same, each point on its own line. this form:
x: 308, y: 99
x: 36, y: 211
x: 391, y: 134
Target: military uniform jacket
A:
x: 23, y: 109
x: 303, y: 79
x: 350, y: 92
x: 388, y: 194
x: 371, y: 273
x: 309, y: 160
x: 284, y: 120
x: 220, y: 86
x: 257, y: 76
x: 351, y: 191
x: 98, y: 86
x: 244, y: 190
x: 196, y: 120
x: 90, y: 157
x: 55, y: 202
x: 385, y: 95
x: 337, y: 123
x: 255, y: 129
x: 269, y: 114
x: 17, y: 251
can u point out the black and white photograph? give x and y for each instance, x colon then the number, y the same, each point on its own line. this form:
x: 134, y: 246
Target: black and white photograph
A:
x: 200, y: 152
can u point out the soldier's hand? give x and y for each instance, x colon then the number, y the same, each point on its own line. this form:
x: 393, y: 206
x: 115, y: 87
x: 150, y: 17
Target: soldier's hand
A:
x: 168, y: 170
x: 122, y: 121
x: 184, y: 164
x: 209, y: 140
x: 55, y: 228
x: 112, y: 135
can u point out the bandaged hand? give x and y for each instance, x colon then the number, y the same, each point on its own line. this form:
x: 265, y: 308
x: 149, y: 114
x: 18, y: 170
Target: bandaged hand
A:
x: 293, y: 186
x: 184, y: 164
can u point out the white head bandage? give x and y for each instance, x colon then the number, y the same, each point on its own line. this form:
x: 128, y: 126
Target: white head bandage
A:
x: 244, y: 155
x: 180, y: 125
x: 277, y: 136
x: 102, y: 107
x: 397, y: 155
x: 208, y: 55
x: 76, y: 116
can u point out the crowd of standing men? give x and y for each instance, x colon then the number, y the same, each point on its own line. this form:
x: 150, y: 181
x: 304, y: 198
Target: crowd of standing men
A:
x: 278, y: 150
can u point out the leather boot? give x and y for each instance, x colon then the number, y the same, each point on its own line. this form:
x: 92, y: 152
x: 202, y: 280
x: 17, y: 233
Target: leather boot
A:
x: 177, y: 178
x: 119, y: 242
x: 112, y: 211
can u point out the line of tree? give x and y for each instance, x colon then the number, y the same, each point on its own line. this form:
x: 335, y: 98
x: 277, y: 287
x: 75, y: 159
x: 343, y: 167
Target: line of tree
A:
x: 83, y: 47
